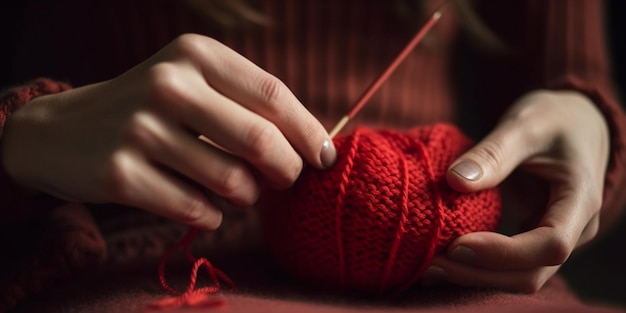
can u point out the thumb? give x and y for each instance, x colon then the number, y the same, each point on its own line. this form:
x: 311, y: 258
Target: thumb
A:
x: 489, y: 162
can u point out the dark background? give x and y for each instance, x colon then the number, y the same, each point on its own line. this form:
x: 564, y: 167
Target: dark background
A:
x: 10, y: 21
x: 598, y: 275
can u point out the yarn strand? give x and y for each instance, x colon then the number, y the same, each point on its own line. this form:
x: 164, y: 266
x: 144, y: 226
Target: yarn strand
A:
x: 191, y: 297
x: 400, y: 230
x: 345, y: 179
x: 438, y: 220
x: 372, y: 223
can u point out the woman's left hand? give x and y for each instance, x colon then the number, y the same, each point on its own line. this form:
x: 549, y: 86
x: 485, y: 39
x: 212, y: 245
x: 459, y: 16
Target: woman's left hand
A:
x: 559, y: 137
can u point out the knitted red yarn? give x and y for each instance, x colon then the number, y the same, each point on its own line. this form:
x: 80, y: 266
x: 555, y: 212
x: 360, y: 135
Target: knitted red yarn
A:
x: 373, y: 222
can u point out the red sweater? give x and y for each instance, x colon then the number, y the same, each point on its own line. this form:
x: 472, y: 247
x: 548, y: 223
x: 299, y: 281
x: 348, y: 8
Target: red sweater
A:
x: 327, y: 52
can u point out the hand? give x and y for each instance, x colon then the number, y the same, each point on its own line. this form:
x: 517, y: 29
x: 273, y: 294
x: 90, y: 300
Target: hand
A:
x: 560, y: 138
x: 135, y: 140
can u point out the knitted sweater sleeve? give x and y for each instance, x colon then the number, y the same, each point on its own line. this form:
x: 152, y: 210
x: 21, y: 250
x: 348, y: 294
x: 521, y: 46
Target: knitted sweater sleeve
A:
x: 14, y: 201
x: 576, y: 58
x: 561, y: 45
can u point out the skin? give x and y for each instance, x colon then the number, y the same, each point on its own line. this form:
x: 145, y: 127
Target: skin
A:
x: 134, y: 140
x: 197, y: 120
x: 561, y: 139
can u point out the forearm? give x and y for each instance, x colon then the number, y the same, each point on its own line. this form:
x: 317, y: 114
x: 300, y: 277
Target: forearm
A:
x: 558, y: 45
x: 576, y: 59
x: 16, y: 201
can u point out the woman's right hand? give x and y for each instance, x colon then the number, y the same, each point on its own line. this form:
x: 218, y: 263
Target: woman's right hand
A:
x: 194, y: 117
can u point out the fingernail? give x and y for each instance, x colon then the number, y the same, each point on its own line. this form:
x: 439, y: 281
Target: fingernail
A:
x: 434, y: 274
x: 214, y: 220
x: 328, y: 156
x: 463, y: 254
x: 468, y: 170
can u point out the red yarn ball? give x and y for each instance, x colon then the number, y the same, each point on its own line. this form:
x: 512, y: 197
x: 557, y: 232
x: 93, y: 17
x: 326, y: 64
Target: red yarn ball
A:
x: 373, y: 222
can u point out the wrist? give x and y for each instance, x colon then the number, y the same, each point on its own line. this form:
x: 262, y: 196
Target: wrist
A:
x: 11, y: 101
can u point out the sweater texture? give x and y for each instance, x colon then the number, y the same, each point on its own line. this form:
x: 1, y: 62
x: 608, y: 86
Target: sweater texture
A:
x: 102, y: 258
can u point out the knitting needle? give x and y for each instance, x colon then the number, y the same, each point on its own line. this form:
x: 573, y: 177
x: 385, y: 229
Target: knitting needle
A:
x: 369, y: 92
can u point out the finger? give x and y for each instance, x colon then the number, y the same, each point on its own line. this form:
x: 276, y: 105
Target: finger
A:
x: 590, y: 232
x: 134, y: 182
x: 496, y: 156
x: 527, y: 280
x: 551, y: 243
x: 211, y: 167
x: 245, y: 83
x: 230, y: 126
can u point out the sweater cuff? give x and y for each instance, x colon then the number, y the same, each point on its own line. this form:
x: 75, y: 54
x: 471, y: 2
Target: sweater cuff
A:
x: 603, y: 96
x: 13, y: 199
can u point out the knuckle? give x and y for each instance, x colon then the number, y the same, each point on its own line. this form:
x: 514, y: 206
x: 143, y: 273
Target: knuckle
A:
x: 530, y: 137
x: 195, y: 211
x: 191, y: 45
x: 594, y: 228
x: 192, y: 211
x: 118, y: 174
x: 590, y: 231
x: 532, y: 283
x: 491, y: 154
x: 164, y: 82
x: 145, y: 131
x: 559, y: 248
x: 232, y: 180
x: 595, y: 201
x: 271, y: 91
x: 261, y: 138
